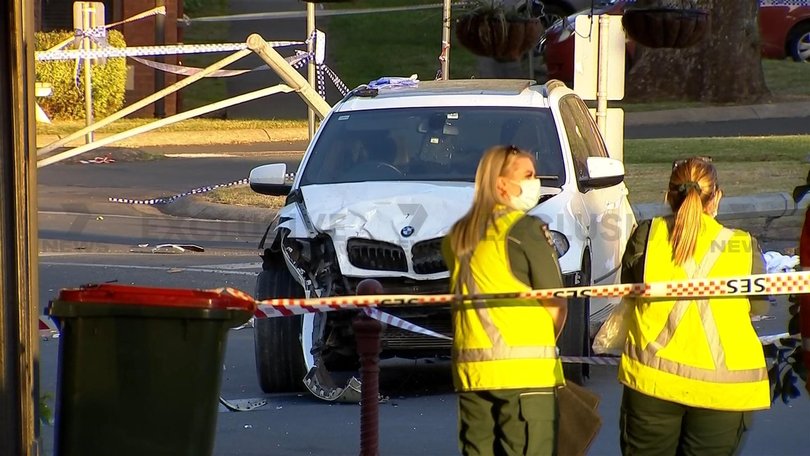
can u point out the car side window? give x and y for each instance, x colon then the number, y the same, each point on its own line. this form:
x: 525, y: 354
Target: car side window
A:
x: 582, y: 132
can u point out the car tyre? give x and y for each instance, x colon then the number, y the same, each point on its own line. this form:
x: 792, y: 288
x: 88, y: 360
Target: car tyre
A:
x: 575, y: 337
x: 799, y: 42
x: 279, y: 357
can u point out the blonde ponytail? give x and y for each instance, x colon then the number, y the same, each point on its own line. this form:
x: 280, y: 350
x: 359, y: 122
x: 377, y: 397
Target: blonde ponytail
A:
x: 692, y: 188
x: 687, y: 226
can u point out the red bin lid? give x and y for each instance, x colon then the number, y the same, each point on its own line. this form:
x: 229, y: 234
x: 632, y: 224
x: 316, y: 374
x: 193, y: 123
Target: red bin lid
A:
x: 225, y: 298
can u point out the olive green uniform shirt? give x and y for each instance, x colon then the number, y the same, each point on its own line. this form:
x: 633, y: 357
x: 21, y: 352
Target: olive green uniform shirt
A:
x: 532, y: 257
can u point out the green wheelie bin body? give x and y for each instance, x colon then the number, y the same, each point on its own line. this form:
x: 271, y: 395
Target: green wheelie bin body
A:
x: 139, y: 368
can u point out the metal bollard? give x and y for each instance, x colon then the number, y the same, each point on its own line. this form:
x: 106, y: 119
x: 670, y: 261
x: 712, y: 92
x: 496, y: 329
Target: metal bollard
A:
x: 367, y: 334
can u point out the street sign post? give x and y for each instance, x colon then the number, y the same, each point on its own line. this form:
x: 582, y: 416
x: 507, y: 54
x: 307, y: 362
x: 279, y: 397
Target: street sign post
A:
x: 599, y: 70
x: 88, y: 17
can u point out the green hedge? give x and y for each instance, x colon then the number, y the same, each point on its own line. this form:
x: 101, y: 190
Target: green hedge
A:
x: 67, y: 99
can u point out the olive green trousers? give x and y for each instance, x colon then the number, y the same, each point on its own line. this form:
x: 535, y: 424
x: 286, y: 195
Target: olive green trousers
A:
x: 651, y: 426
x: 508, y: 422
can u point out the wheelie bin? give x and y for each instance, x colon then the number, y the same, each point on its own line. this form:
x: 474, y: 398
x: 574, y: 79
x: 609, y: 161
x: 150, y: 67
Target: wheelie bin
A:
x: 139, y: 368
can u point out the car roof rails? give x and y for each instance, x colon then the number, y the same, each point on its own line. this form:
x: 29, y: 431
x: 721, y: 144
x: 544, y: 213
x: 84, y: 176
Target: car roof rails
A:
x: 551, y: 85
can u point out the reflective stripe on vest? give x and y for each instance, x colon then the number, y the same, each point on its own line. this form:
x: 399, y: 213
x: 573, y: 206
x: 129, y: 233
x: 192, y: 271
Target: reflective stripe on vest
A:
x: 500, y: 349
x: 720, y: 374
x: 503, y: 344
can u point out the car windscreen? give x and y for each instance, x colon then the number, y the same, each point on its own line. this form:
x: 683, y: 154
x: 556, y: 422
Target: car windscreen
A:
x: 429, y: 144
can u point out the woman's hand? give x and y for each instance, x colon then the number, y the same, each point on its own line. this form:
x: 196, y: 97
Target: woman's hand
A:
x: 558, y: 308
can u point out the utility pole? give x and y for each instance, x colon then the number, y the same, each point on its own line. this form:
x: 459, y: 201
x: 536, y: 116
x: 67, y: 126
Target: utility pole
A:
x: 311, y: 65
x: 446, y: 40
x: 19, y: 337
x: 87, y: 16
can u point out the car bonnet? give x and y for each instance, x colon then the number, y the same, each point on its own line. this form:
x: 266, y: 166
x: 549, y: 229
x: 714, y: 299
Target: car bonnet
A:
x: 393, y: 212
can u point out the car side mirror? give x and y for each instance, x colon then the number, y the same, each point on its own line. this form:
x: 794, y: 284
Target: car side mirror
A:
x: 603, y: 172
x: 270, y: 179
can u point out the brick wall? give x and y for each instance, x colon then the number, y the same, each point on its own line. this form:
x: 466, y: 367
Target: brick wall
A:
x: 142, y: 33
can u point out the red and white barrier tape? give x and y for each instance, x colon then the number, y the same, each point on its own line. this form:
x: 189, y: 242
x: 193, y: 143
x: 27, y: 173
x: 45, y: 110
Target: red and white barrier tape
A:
x: 753, y: 285
x: 397, y: 322
x: 47, y: 327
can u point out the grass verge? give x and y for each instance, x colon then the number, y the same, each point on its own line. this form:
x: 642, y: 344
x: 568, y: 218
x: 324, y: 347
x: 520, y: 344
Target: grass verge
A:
x: 242, y: 195
x: 206, y: 90
x: 744, y: 165
x: 786, y: 78
x: 367, y: 46
x: 64, y: 128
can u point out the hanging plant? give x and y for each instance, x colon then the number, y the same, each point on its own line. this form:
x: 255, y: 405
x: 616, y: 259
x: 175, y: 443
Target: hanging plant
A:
x: 326, y: 1
x: 490, y: 29
x: 669, y: 24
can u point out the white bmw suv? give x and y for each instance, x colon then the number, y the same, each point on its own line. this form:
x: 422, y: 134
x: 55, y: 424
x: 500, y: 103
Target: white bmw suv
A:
x: 387, y: 174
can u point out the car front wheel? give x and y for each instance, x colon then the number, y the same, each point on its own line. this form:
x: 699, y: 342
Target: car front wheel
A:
x: 279, y: 357
x: 799, y: 43
x: 574, y: 340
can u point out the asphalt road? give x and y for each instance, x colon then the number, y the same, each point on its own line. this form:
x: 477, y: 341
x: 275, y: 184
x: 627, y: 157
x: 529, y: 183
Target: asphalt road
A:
x: 418, y: 413
x: 720, y: 128
x: 80, y: 246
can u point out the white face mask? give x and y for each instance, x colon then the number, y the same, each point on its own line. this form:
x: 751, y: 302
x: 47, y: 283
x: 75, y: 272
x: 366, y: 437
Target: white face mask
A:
x: 528, y: 197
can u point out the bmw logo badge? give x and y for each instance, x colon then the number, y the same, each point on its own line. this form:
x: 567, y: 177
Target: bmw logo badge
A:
x: 407, y: 231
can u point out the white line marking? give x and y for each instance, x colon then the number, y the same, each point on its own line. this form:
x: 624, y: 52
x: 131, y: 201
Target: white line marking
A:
x: 231, y: 266
x: 199, y: 155
x: 168, y: 217
x: 154, y: 268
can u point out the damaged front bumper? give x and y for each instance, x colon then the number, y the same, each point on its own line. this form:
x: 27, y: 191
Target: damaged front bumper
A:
x: 399, y: 337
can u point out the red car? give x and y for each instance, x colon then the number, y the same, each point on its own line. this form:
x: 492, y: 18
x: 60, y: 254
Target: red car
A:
x: 784, y: 30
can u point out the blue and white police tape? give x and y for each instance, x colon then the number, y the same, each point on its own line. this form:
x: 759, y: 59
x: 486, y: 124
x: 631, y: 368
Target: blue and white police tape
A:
x: 170, y: 199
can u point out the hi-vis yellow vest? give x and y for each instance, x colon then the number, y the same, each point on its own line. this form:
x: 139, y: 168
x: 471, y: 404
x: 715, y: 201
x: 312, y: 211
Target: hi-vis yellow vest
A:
x: 702, y: 353
x: 509, y: 343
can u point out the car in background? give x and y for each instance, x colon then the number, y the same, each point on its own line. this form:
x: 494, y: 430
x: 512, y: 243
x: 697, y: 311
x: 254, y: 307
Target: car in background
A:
x: 550, y: 11
x: 784, y: 29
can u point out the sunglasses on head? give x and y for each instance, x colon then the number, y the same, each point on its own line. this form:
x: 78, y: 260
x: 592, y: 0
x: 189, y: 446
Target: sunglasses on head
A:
x: 679, y: 162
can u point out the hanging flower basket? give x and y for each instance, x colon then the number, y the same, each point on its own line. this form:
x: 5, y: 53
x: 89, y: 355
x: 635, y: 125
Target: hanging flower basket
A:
x: 666, y: 27
x: 503, y: 39
x: 326, y: 1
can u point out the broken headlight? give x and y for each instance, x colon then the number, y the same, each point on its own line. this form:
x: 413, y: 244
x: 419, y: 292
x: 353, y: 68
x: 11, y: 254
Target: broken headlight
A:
x: 306, y: 254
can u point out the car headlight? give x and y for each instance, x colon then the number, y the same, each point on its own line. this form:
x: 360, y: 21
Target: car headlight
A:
x: 560, y: 242
x: 299, y: 250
